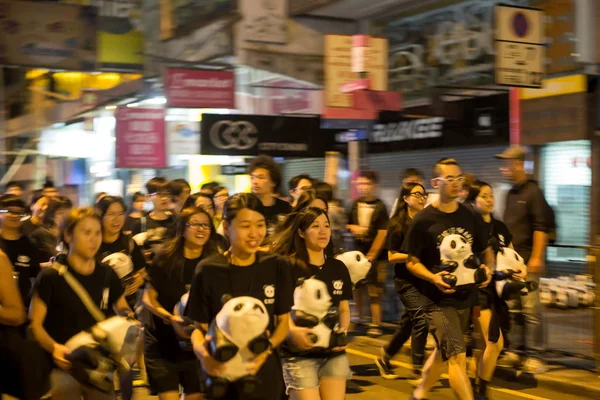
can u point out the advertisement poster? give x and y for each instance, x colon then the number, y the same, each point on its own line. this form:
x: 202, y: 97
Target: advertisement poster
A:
x: 183, y: 137
x: 140, y: 136
x: 200, y: 89
x: 47, y: 35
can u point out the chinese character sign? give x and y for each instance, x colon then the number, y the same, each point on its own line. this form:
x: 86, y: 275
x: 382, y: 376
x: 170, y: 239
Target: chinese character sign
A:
x: 140, y: 138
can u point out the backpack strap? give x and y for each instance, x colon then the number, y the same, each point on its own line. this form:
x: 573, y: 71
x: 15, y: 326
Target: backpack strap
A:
x: 80, y: 291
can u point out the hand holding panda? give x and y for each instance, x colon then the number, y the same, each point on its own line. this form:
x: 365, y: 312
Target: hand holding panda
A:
x: 510, y: 274
x: 312, y: 310
x: 236, y: 347
x: 462, y: 267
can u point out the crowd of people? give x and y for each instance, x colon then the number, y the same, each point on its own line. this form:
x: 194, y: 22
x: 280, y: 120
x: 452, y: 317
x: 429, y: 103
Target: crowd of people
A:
x: 214, y: 246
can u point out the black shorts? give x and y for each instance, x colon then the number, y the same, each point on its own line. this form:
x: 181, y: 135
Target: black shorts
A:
x: 500, y: 321
x: 448, y: 327
x: 376, y: 278
x: 167, y: 371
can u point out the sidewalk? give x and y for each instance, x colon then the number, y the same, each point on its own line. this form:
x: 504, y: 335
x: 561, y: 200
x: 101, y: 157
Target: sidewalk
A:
x: 566, y: 375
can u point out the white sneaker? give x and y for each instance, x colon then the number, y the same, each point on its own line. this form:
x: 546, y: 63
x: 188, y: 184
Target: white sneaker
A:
x: 535, y: 366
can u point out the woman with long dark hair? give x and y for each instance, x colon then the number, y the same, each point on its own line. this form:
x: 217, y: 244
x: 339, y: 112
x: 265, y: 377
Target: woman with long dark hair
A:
x: 37, y: 208
x: 46, y: 237
x: 324, y: 370
x: 414, y: 321
x: 244, y: 271
x: 493, y: 321
x: 118, y: 249
x: 135, y: 212
x: 169, y: 365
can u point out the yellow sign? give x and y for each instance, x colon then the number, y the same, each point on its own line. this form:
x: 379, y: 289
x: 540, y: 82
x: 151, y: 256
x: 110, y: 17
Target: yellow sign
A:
x: 520, y: 47
x: 556, y: 87
x: 338, y: 67
x: 120, y: 37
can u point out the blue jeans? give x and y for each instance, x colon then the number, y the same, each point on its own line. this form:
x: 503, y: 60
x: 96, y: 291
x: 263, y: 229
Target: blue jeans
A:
x: 413, y: 323
x: 305, y: 373
x: 526, y: 331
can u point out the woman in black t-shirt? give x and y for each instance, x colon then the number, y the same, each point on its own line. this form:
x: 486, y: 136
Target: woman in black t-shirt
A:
x: 119, y: 250
x: 311, y: 372
x: 493, y: 321
x: 244, y: 271
x: 45, y: 238
x: 414, y: 321
x: 135, y: 213
x: 57, y: 313
x: 171, y: 274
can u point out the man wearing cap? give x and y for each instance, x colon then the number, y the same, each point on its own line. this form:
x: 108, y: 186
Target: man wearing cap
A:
x: 526, y: 217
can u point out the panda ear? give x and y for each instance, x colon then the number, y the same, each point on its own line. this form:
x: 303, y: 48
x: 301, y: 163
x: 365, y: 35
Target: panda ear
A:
x: 300, y: 282
x: 225, y: 298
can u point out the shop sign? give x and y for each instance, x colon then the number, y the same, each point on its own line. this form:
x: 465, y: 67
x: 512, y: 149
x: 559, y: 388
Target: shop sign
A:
x: 140, y: 136
x: 183, y: 137
x: 48, y: 35
x: 452, y: 45
x: 478, y: 121
x: 338, y: 68
x: 120, y: 33
x: 234, y: 169
x: 247, y: 135
x: 203, y: 44
x: 196, y: 88
x: 264, y: 21
x: 560, y: 33
x: 308, y: 68
x: 556, y: 87
x: 520, y: 46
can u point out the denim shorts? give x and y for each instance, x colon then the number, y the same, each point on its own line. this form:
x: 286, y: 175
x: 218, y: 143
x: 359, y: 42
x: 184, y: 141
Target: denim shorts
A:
x: 304, y: 373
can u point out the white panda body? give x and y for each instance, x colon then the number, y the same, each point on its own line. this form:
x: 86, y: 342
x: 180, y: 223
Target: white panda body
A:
x: 456, y: 248
x: 508, y: 259
x: 312, y: 297
x: 358, y: 265
x: 121, y: 263
x: 241, y: 320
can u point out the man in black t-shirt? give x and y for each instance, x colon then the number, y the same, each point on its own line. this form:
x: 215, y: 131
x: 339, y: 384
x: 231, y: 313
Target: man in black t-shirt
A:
x: 368, y: 222
x: 23, y: 255
x: 265, y: 176
x: 448, y: 310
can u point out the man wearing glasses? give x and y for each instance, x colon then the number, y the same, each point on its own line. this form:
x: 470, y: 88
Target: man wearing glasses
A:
x: 298, y: 185
x: 22, y: 253
x: 448, y: 309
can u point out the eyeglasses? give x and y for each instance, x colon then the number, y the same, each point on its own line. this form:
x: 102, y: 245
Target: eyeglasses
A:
x: 13, y: 213
x: 419, y: 196
x: 452, y: 179
x: 198, y: 227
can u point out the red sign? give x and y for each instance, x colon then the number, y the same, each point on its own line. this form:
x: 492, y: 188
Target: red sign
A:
x: 140, y: 138
x: 200, y: 89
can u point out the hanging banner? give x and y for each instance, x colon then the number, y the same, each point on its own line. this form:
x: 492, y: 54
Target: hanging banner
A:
x: 47, y: 35
x: 140, y: 136
x: 520, y: 46
x: 183, y: 137
x: 196, y: 88
x: 338, y: 67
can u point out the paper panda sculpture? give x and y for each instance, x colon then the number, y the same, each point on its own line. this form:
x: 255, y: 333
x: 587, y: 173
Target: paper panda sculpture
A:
x: 238, y: 335
x: 458, y: 259
x: 509, y: 263
x: 312, y: 309
x: 183, y: 331
x: 358, y: 266
x: 122, y: 264
x: 113, y: 344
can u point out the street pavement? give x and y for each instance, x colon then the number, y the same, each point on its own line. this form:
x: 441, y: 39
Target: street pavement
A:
x: 366, y: 383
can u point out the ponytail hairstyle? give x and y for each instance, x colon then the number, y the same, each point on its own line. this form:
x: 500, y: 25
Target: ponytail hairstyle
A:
x: 170, y: 255
x: 290, y: 244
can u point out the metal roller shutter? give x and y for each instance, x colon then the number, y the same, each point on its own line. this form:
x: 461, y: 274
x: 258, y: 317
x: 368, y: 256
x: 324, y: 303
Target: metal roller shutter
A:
x: 478, y: 161
x: 315, y: 167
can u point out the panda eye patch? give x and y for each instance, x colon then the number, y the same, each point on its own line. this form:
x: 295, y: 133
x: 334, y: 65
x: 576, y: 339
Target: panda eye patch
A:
x: 516, y: 256
x: 357, y: 257
x: 238, y: 307
x: 453, y: 244
x: 318, y: 295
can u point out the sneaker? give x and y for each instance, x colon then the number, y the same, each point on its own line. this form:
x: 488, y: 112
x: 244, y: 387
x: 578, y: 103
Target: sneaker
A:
x: 535, y: 366
x: 385, y: 367
x: 374, y: 332
x: 509, y: 359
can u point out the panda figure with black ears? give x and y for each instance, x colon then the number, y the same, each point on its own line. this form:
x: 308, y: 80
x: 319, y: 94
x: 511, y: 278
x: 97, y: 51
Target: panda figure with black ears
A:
x: 238, y: 334
x: 313, y: 309
x: 458, y: 260
x: 509, y: 264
